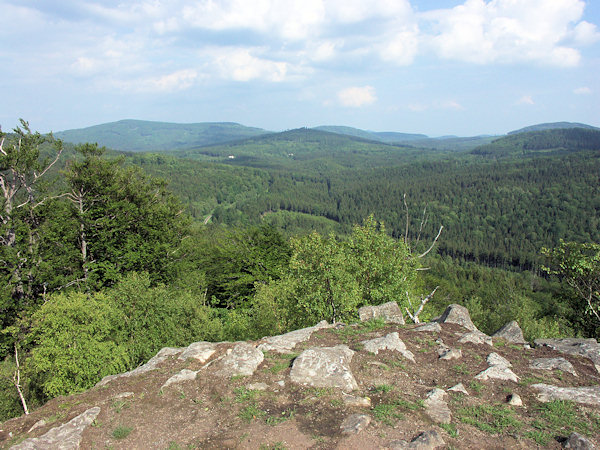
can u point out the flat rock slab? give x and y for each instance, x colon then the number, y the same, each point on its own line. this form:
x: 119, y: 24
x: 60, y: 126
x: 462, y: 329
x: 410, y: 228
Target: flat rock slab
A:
x: 390, y: 312
x: 286, y: 342
x: 511, y: 332
x: 183, y: 375
x: 497, y: 373
x: 476, y: 337
x: 447, y: 353
x: 200, y: 351
x: 574, y: 346
x: 355, y: 423
x: 432, y: 327
x: 428, y: 440
x: 494, y: 359
x: 66, y: 436
x: 588, y: 395
x: 390, y: 341
x: 436, y: 407
x: 553, y: 364
x: 460, y: 388
x: 353, y: 400
x: 243, y: 359
x: 457, y: 314
x: 325, y: 367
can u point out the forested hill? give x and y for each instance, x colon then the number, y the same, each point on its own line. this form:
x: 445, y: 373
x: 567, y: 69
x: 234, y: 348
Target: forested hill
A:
x: 552, y: 126
x: 389, y: 137
x: 141, y: 135
x: 554, y: 140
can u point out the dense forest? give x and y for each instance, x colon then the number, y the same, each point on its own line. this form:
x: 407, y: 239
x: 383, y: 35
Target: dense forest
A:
x: 106, y: 257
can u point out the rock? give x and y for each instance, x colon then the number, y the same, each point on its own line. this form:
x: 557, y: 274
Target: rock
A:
x: 459, y: 388
x: 66, y: 436
x: 355, y: 423
x: 200, y: 351
x: 447, y: 353
x: 243, y: 360
x: 390, y: 312
x: 281, y: 383
x: 183, y: 375
x: 578, y: 442
x: 497, y: 373
x: 152, y: 364
x: 325, y: 367
x: 553, y: 363
x: 257, y: 386
x: 286, y: 342
x: 124, y: 395
x: 514, y: 400
x: 352, y: 400
x: 436, y: 407
x: 428, y: 440
x: 588, y: 395
x: 432, y: 327
x: 459, y: 315
x: 511, y: 332
x: 391, y: 341
x: 476, y: 337
x: 494, y: 359
x: 574, y: 346
x: 40, y: 423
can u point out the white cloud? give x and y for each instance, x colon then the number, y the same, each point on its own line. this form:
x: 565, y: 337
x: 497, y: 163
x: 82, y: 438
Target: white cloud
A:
x: 176, y: 81
x: 240, y: 65
x: 526, y: 100
x: 584, y: 90
x: 356, y: 96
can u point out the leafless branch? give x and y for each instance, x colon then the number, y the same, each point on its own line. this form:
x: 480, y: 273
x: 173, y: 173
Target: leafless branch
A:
x: 433, y: 243
x: 406, y: 230
x: 17, y: 381
x: 415, y: 316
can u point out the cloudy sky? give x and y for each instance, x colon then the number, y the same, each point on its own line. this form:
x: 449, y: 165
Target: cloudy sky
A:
x: 437, y: 67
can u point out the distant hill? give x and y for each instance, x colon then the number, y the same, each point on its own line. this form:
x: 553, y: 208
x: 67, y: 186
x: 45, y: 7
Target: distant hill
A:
x: 389, y: 137
x: 552, y: 126
x: 141, y: 135
x: 543, y: 141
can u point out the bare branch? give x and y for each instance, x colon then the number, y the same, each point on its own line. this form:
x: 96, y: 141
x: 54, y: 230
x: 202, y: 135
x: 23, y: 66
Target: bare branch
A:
x: 17, y: 381
x: 415, y: 316
x: 406, y: 230
x: 423, y: 222
x: 433, y: 243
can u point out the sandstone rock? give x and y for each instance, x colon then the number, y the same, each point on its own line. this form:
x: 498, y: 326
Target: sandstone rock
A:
x: 352, y: 400
x: 497, y: 373
x: 432, y: 327
x: 476, y: 337
x: 390, y: 312
x: 459, y: 315
x: 578, y: 442
x: 494, y: 359
x: 588, y: 395
x: 552, y: 364
x: 511, y: 332
x: 515, y: 400
x: 286, y: 342
x: 436, y: 407
x: 574, y: 346
x: 355, y: 423
x: 67, y: 436
x: 428, y: 440
x: 391, y: 341
x: 200, y: 351
x: 325, y: 367
x: 459, y: 388
x: 183, y: 375
x: 243, y: 360
x: 447, y: 353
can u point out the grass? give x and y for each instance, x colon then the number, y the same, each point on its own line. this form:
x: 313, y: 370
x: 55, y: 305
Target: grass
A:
x: 119, y: 405
x: 383, y: 388
x: 276, y: 446
x: 385, y: 413
x: 559, y: 417
x: 493, y: 419
x: 476, y: 386
x: 121, y: 432
x: 461, y: 369
x: 540, y: 437
x: 526, y: 381
x: 449, y: 428
x: 288, y: 414
x: 243, y: 394
x: 251, y: 412
x: 408, y: 405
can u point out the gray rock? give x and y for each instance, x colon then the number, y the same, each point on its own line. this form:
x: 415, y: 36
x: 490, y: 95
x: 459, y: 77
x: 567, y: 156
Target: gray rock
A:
x: 578, y: 442
x: 497, y: 373
x: 457, y: 314
x: 447, y: 353
x: 552, y: 364
x: 515, y: 400
x: 40, y: 423
x: 436, y: 407
x: 459, y: 388
x: 183, y: 375
x: 476, y: 337
x: 152, y: 364
x: 494, y: 359
x: 242, y: 360
x: 574, y: 346
x: 353, y: 400
x: 200, y: 351
x: 428, y: 440
x: 355, y: 423
x: 66, y: 436
x: 390, y: 312
x: 432, y: 327
x: 511, y: 332
x: 124, y: 395
x: 286, y: 342
x: 588, y: 395
x: 391, y: 341
x: 325, y: 367
x: 257, y: 386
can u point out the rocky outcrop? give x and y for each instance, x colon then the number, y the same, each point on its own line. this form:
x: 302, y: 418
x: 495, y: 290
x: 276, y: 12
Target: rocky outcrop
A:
x: 325, y: 367
x: 436, y: 407
x: 476, y: 337
x: 286, y: 342
x: 498, y: 369
x: 355, y: 423
x: 511, y: 332
x: 578, y: 442
x: 553, y: 364
x: 574, y: 346
x: 389, y: 342
x: 457, y: 314
x: 243, y: 359
x: 587, y: 395
x: 390, y: 312
x: 199, y: 351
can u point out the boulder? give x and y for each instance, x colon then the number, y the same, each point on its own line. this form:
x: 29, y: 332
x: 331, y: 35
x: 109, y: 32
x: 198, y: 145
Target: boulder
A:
x: 355, y: 423
x: 390, y: 312
x: 353, y: 400
x: 511, y: 332
x: 578, y: 442
x: 391, y: 341
x: 286, y: 342
x: 436, y: 407
x: 64, y: 437
x: 514, y: 400
x: 459, y: 388
x: 553, y: 364
x: 587, y: 395
x: 497, y: 373
x: 457, y: 314
x: 183, y: 375
x: 476, y: 337
x: 242, y: 360
x: 494, y: 359
x: 447, y: 353
x: 325, y: 367
x: 574, y: 346
x: 200, y: 351
x: 432, y: 327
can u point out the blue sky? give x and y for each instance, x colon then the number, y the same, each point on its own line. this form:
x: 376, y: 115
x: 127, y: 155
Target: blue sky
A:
x: 437, y: 67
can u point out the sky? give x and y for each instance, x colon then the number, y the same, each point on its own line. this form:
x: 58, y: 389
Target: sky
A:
x: 438, y: 67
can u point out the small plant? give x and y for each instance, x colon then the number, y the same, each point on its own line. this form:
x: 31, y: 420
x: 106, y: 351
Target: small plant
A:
x: 121, y: 432
x: 275, y: 446
x: 288, y: 414
x: 251, y: 412
x: 386, y: 412
x: 540, y: 437
x: 173, y: 446
x: 461, y: 369
x: 476, y: 386
x: 412, y: 406
x: 449, y: 428
x: 383, y: 388
x: 118, y: 405
x: 243, y: 395
x: 182, y: 395
x: 492, y: 419
x: 560, y: 416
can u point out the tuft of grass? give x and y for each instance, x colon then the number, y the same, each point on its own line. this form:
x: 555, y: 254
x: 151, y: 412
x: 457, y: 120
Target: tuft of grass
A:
x: 526, y: 381
x: 540, y: 437
x: 276, y: 446
x: 288, y: 414
x: 559, y: 417
x: 493, y: 419
x: 121, y: 432
x: 461, y: 369
x: 119, y: 405
x: 251, y: 412
x: 385, y: 413
x: 411, y: 406
x: 476, y: 386
x: 243, y: 394
x: 449, y: 428
x: 383, y: 388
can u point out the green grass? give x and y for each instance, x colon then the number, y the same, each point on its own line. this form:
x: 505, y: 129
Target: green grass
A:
x: 121, y: 432
x: 476, y: 386
x: 540, y: 437
x: 251, y: 412
x: 461, y: 369
x: 288, y: 414
x: 560, y: 417
x: 383, y: 388
x: 408, y: 405
x: 243, y: 395
x: 385, y: 413
x: 449, y: 428
x: 275, y: 446
x: 493, y: 419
